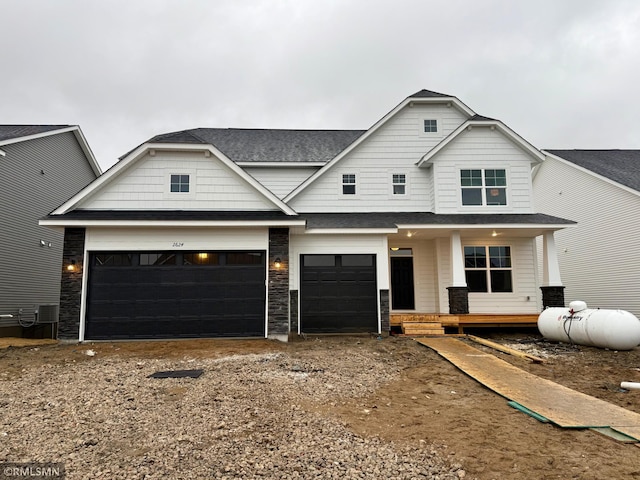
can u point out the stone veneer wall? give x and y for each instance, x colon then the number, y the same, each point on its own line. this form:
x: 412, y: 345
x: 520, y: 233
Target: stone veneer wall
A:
x: 293, y: 311
x: 552, y: 297
x: 71, y: 284
x: 458, y: 300
x: 385, y: 326
x: 278, y: 308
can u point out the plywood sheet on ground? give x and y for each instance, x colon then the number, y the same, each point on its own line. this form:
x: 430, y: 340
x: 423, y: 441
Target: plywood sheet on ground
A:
x: 563, y: 406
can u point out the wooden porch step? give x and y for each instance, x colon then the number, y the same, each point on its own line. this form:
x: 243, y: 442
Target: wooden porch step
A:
x: 422, y: 328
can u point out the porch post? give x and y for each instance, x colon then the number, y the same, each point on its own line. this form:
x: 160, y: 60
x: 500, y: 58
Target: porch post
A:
x: 552, y: 288
x: 458, y: 292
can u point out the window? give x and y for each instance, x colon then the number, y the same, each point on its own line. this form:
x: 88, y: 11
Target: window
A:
x: 401, y: 252
x: 157, y: 259
x: 179, y: 183
x: 492, y: 276
x: 201, y: 258
x: 484, y: 187
x: 430, y: 126
x: 349, y: 184
x: 113, y: 259
x: 399, y: 183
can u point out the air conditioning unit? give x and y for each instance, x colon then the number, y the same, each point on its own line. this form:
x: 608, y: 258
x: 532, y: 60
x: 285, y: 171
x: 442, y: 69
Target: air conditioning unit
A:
x: 47, y: 313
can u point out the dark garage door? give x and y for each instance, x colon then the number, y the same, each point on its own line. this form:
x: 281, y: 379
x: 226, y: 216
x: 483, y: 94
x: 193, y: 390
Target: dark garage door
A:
x: 175, y: 295
x: 338, y: 294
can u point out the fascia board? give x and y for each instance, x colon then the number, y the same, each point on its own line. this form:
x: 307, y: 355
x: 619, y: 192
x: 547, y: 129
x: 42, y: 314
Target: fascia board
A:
x: 370, y: 132
x: 84, y: 145
x: 592, y: 173
x: 351, y: 231
x: 475, y: 226
x: 100, y: 181
x: 513, y: 136
x: 3, y: 154
x: 281, y: 164
x: 61, y: 222
x: 144, y: 148
x: 9, y: 141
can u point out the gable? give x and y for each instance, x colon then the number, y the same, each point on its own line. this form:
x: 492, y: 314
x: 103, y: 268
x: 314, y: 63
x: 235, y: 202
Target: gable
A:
x: 143, y: 182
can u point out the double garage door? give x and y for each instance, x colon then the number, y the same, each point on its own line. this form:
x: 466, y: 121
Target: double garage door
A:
x: 176, y: 294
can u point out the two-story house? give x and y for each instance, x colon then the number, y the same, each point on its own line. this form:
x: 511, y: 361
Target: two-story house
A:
x: 41, y: 166
x: 232, y: 232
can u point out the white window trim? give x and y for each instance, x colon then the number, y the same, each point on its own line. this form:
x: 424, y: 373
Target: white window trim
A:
x: 488, y: 269
x: 483, y: 188
x: 407, y: 189
x: 438, y: 120
x: 357, y: 184
x: 168, y: 194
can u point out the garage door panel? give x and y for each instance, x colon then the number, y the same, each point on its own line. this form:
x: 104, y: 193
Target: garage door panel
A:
x: 177, y: 301
x: 336, y: 298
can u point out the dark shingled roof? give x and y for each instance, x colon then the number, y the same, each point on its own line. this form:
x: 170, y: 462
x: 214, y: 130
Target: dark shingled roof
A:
x: 429, y: 94
x: 9, y: 132
x: 391, y: 219
x: 258, y: 145
x: 622, y: 166
x: 321, y: 220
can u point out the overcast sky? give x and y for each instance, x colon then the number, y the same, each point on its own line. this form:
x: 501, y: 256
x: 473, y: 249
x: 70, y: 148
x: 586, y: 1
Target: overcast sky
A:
x: 561, y: 73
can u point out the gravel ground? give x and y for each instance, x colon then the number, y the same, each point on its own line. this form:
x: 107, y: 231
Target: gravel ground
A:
x: 253, y: 415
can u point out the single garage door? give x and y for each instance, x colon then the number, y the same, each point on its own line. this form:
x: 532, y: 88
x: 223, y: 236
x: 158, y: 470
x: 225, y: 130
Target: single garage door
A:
x: 176, y: 295
x: 338, y: 294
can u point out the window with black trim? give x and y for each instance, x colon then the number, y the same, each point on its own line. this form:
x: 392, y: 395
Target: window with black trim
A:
x: 179, y: 184
x: 488, y: 269
x: 430, y: 126
x: 399, y: 183
x: 349, y: 184
x: 157, y: 259
x: 483, y: 187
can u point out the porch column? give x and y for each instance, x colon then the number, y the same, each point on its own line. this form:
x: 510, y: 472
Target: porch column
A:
x: 71, y: 284
x: 458, y: 292
x: 552, y: 288
x: 278, y: 290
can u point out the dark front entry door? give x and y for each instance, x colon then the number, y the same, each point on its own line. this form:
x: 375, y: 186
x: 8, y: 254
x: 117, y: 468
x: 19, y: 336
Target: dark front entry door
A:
x: 402, y: 293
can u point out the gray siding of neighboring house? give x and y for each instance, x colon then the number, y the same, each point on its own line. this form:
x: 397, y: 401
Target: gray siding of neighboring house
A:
x: 36, y: 176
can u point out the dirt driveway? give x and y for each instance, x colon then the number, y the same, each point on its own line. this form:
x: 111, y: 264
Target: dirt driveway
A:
x: 321, y: 408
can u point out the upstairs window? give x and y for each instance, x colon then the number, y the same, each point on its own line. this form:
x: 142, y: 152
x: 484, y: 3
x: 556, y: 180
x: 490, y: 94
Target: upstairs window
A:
x: 349, y: 184
x: 488, y: 269
x: 484, y: 187
x: 179, y: 183
x: 399, y: 183
x: 430, y: 126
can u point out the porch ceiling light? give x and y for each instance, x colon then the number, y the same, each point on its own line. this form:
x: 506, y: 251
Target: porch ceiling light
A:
x: 494, y: 234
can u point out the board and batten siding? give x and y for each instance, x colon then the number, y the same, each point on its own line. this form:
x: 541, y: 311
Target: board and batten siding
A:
x: 394, y: 148
x: 36, y: 176
x: 479, y: 148
x: 145, y: 186
x: 526, y: 296
x: 281, y: 180
x: 599, y: 257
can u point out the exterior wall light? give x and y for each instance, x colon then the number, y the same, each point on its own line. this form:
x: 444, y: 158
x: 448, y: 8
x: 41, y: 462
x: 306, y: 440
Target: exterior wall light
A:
x: 73, y: 266
x: 277, y: 263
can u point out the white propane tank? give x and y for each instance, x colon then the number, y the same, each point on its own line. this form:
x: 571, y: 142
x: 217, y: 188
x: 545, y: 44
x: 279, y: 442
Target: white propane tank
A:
x: 613, y: 329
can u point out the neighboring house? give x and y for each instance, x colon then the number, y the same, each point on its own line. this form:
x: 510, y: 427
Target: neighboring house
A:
x: 231, y: 232
x: 41, y: 166
x: 600, y: 189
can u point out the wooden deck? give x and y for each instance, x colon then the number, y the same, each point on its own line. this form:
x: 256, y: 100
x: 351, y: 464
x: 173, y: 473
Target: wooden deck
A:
x: 419, y: 323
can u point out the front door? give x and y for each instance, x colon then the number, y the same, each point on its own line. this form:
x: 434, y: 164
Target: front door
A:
x: 402, y: 293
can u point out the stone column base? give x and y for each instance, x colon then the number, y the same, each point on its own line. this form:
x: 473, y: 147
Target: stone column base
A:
x: 384, y: 311
x: 458, y: 300
x: 552, y: 297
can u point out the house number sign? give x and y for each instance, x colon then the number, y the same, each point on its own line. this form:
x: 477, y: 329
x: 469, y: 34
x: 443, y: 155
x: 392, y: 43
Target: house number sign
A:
x: 177, y: 244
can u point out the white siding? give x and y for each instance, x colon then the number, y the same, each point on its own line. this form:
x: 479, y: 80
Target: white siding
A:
x: 394, y: 148
x: 338, y: 244
x: 145, y: 186
x: 125, y: 239
x: 424, y: 273
x: 525, y: 295
x: 281, y: 180
x: 479, y: 148
x: 599, y: 258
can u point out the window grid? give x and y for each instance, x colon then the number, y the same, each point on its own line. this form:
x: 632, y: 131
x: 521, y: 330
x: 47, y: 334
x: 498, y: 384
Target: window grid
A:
x: 430, y: 126
x: 180, y: 183
x: 483, y: 187
x: 399, y: 181
x: 349, y: 184
x: 492, y: 276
